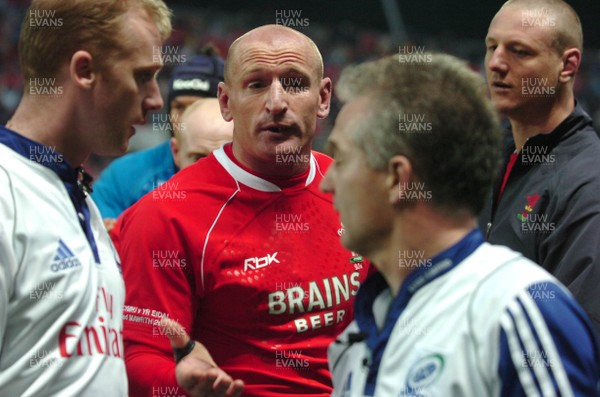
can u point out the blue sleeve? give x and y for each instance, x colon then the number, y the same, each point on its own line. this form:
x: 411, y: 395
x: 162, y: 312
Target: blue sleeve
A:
x: 130, y: 177
x: 547, y: 346
x: 111, y: 193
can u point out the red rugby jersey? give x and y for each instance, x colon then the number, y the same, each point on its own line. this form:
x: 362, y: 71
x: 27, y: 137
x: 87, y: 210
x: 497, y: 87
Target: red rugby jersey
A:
x: 253, y: 271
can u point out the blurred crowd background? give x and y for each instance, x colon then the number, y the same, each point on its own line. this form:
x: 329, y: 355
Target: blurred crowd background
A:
x: 346, y: 32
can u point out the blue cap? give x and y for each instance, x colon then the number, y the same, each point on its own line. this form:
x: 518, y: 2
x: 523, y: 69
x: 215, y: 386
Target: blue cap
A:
x: 199, y: 76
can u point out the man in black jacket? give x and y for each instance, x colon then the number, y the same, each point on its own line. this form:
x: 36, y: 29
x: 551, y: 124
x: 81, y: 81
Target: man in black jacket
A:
x: 546, y: 202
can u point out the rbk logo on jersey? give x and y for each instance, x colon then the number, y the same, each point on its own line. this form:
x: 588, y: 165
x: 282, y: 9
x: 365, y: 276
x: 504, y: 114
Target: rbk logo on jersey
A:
x: 257, y: 263
x: 64, y: 258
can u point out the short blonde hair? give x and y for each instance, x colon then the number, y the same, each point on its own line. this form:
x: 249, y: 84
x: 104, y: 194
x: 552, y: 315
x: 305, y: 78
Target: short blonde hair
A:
x: 53, y: 30
x: 568, y: 32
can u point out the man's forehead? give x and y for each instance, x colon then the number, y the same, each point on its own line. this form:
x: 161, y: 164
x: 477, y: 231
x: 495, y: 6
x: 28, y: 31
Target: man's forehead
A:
x: 509, y: 15
x: 285, y: 62
x: 273, y: 39
x: 270, y: 42
x: 513, y: 21
x: 272, y: 34
x: 277, y: 47
x: 186, y: 99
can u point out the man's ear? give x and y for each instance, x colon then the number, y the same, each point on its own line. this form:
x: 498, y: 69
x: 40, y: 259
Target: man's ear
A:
x: 571, y: 60
x: 324, y: 98
x: 175, y: 151
x: 223, y: 96
x: 82, y: 70
x: 399, y: 175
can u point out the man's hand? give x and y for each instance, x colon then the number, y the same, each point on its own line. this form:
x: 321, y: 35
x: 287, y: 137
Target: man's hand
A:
x: 197, y: 372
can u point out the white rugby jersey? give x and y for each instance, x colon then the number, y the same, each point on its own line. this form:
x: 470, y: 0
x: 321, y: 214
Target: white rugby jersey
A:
x: 474, y: 322
x: 61, y: 293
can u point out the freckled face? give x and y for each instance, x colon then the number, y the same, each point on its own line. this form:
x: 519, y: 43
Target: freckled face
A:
x: 126, y: 89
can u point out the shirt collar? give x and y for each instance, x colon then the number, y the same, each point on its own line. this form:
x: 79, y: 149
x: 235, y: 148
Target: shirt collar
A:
x: 574, y: 122
x: 39, y: 153
x: 434, y: 268
x: 256, y: 182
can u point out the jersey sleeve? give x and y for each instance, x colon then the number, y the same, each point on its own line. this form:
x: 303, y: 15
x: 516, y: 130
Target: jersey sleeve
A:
x: 158, y: 284
x: 547, y: 346
x: 572, y: 250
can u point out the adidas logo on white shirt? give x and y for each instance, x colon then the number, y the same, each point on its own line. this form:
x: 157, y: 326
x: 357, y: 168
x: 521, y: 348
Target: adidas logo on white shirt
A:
x: 64, y: 258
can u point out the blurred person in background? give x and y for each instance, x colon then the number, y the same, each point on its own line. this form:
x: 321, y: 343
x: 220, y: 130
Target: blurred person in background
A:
x: 203, y: 130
